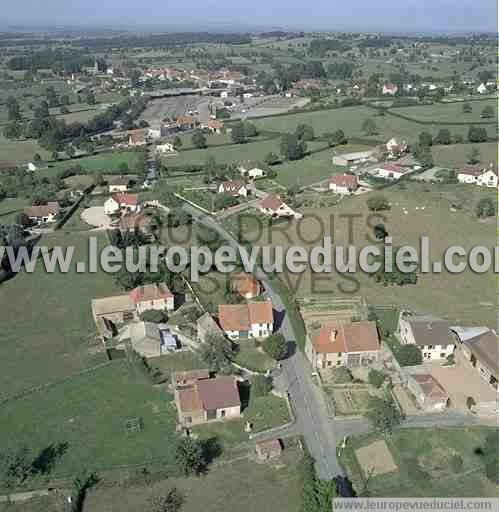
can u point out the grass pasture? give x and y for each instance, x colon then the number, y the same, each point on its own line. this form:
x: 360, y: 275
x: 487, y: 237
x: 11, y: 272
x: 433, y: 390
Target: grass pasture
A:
x: 425, y: 464
x: 242, y: 485
x: 448, y: 113
x: 88, y: 413
x: 105, y: 162
x: 47, y: 324
x: 453, y: 296
x: 20, y: 151
x: 9, y: 208
x: 456, y: 155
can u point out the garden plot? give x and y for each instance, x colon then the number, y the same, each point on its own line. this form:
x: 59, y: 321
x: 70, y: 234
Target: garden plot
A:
x: 376, y: 459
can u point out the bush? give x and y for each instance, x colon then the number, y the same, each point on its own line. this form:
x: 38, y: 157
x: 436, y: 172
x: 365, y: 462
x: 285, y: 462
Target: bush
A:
x: 155, y: 316
x: 376, y: 378
x: 409, y: 355
x: 342, y: 375
x: 261, y: 385
x: 377, y: 203
x: 276, y: 347
x: 456, y: 463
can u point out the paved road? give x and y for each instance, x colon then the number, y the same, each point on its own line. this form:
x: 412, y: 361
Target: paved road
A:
x: 311, y: 414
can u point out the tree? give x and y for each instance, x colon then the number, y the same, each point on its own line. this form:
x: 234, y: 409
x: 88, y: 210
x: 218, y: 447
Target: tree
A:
x: 474, y: 155
x: 172, y: 502
x: 250, y: 129
x: 378, y: 203
x: 177, y: 142
x: 443, y: 137
x: 369, y: 126
x: 380, y: 232
x: 189, y: 456
x: 261, y: 385
x: 408, y: 355
x: 336, y: 138
x: 305, y: 132
x: 486, y: 207
x: 425, y: 139
x: 238, y: 134
x: 477, y: 134
x: 16, y: 465
x: 13, y: 130
x: 467, y: 108
x: 292, y: 148
x: 383, y: 413
x: 64, y: 110
x: 198, y: 139
x: 155, y: 316
x: 70, y: 151
x: 90, y: 98
x: 271, y: 158
x: 318, y: 495
x: 376, y: 377
x: 217, y: 352
x: 13, y: 109
x: 123, y: 168
x: 55, y: 155
x: 37, y: 157
x: 488, y: 112
x: 423, y: 154
x: 276, y: 346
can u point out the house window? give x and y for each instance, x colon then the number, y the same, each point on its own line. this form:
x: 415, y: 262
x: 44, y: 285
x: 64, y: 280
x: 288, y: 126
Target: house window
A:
x: 222, y: 413
x: 430, y: 347
x: 442, y: 354
x: 338, y: 363
x: 188, y: 419
x: 339, y: 354
x: 329, y: 363
x: 127, y: 316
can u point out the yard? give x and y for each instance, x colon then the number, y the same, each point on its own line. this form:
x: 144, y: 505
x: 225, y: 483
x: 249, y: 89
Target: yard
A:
x: 453, y: 296
x: 87, y: 416
x: 429, y: 463
x: 348, y: 400
x: 47, y: 325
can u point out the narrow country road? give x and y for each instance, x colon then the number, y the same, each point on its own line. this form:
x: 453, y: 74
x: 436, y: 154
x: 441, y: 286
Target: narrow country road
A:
x: 312, y: 420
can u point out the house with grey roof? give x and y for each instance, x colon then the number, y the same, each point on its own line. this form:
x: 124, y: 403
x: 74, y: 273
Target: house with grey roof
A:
x: 430, y: 334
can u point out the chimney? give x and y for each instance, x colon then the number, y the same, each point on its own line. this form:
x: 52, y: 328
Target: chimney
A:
x: 332, y: 334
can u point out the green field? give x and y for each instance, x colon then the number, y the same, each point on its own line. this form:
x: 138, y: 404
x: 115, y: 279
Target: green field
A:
x: 252, y: 358
x: 20, y: 151
x: 453, y: 296
x: 9, y: 208
x: 423, y: 459
x: 88, y: 413
x: 47, y: 325
x: 449, y: 113
x: 313, y: 168
x: 242, y: 485
x: 350, y: 120
x: 456, y: 155
x: 105, y: 162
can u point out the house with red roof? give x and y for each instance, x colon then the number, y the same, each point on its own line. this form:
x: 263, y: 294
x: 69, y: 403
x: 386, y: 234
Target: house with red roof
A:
x: 208, y: 399
x: 44, y: 213
x: 253, y: 320
x: 122, y: 202
x: 152, y: 296
x: 343, y: 184
x: 245, y: 284
x: 351, y: 344
x: 273, y: 206
x: 389, y: 89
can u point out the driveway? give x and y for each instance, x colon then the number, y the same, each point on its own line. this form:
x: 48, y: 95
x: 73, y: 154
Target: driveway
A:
x: 95, y: 216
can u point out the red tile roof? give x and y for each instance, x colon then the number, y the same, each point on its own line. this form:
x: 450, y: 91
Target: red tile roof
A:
x: 218, y: 393
x: 353, y: 337
x: 472, y: 170
x: 394, y: 168
x: 245, y: 284
x: 150, y: 292
x: 126, y: 199
x: 240, y: 317
x: 344, y: 180
x: 271, y: 202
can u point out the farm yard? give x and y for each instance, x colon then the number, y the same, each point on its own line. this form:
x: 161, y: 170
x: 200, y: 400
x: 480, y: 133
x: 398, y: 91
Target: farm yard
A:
x: 411, y: 463
x: 454, y: 296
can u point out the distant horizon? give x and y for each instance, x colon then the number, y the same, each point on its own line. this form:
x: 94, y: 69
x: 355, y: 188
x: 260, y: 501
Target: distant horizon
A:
x: 388, y: 16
